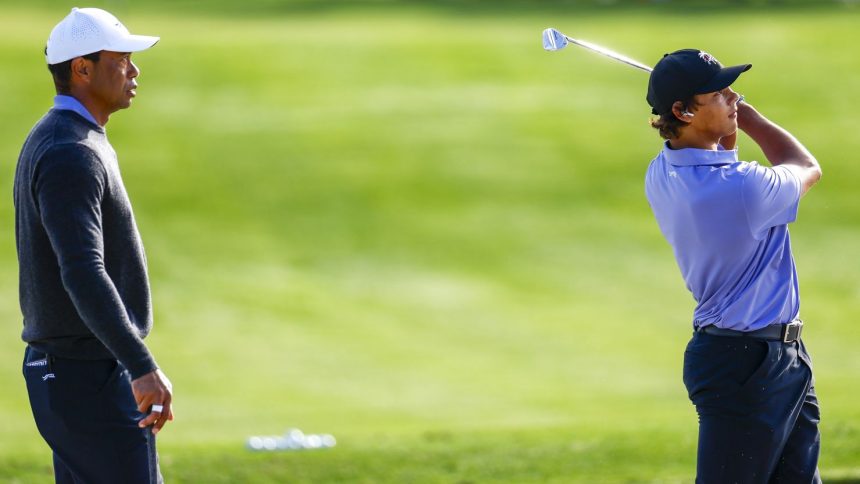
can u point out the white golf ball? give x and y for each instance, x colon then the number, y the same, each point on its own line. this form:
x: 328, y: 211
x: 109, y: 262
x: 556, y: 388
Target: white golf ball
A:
x: 328, y: 440
x: 296, y: 435
x: 269, y: 443
x: 255, y: 443
x: 293, y: 444
x: 283, y: 444
x: 313, y: 442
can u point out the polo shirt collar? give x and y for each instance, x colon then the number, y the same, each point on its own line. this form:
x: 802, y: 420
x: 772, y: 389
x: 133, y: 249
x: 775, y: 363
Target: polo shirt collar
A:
x: 696, y: 156
x: 69, y: 103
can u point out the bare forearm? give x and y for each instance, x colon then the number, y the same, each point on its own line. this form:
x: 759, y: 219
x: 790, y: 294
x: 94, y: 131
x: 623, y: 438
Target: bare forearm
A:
x: 779, y: 146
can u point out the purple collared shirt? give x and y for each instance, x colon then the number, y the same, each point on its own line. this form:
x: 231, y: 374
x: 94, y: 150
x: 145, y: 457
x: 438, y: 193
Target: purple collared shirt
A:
x: 69, y: 103
x: 727, y: 223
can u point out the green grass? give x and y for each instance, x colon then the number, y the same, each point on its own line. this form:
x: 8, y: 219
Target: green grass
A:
x: 419, y: 232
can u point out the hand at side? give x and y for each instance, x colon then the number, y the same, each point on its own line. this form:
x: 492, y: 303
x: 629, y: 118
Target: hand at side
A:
x: 151, y: 389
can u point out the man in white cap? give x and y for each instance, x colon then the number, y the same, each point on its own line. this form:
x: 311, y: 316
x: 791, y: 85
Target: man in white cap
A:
x: 97, y: 395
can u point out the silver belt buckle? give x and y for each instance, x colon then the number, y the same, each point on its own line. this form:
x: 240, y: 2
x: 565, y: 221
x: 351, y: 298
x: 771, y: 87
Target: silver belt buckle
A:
x: 792, y: 331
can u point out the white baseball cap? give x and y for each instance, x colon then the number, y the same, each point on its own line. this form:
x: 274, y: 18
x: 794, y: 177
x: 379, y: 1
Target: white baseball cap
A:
x: 88, y: 30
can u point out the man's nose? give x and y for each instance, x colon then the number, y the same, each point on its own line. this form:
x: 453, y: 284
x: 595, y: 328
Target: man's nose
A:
x: 133, y: 71
x: 733, y: 96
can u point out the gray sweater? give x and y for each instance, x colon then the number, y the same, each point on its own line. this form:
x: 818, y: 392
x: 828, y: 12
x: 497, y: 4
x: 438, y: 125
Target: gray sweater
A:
x: 83, y: 285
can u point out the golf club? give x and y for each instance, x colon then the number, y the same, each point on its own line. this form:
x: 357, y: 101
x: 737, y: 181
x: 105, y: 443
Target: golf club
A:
x: 554, y: 40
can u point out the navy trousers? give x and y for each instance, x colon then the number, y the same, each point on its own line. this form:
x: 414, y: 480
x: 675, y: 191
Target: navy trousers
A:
x: 758, y: 414
x: 85, y: 411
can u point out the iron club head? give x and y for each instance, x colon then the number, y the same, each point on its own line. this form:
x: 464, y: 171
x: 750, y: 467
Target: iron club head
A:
x: 554, y: 40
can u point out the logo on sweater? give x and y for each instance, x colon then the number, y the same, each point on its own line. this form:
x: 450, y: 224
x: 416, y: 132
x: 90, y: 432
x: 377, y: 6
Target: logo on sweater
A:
x: 42, y: 362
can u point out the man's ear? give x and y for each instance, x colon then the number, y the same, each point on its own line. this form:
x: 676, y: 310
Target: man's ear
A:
x: 82, y: 69
x: 681, y: 112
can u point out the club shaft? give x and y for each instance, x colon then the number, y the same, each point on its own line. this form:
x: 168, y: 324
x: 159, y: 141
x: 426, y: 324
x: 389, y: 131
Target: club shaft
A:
x: 608, y: 53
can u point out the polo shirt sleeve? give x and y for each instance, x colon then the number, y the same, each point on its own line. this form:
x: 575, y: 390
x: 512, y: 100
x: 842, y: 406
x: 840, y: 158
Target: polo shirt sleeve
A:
x: 771, y: 196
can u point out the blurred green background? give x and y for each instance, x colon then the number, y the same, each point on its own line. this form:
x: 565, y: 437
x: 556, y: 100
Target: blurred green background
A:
x: 407, y: 225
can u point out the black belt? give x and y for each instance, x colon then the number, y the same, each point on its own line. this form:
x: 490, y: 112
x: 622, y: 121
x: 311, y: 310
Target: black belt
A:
x: 787, y: 333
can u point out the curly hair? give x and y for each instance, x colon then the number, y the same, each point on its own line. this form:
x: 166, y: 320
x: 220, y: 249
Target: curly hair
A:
x: 670, y: 126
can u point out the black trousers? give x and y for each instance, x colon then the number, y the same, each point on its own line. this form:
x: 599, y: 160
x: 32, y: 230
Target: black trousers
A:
x: 85, y: 411
x: 758, y: 414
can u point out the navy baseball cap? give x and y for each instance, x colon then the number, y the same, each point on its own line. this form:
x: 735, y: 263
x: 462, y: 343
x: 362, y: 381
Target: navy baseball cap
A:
x: 685, y: 73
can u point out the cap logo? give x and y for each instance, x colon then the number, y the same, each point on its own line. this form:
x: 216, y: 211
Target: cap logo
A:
x: 708, y: 58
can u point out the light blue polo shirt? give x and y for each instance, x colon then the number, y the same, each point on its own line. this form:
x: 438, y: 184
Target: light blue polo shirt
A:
x: 69, y: 103
x: 726, y: 221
